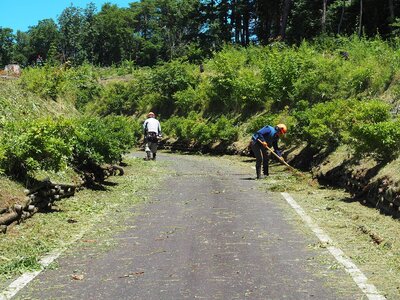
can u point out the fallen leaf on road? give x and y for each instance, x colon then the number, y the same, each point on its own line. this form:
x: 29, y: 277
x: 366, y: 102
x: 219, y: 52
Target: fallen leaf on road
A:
x: 132, y: 274
x: 77, y: 276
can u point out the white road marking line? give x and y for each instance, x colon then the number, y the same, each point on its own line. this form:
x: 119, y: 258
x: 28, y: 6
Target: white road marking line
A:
x: 27, y: 277
x: 359, y: 278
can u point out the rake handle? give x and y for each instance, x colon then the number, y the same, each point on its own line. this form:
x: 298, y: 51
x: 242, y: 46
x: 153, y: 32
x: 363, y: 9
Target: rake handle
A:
x: 277, y: 156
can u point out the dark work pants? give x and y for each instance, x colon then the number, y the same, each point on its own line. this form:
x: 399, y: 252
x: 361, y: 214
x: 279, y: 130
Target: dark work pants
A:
x: 261, y: 155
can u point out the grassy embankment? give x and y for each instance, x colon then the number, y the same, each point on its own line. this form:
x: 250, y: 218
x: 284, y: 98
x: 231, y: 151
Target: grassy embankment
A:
x: 25, y: 243
x: 17, y: 105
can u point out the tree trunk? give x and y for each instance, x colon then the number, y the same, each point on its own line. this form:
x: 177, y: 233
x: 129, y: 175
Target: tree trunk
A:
x: 361, y: 18
x: 246, y: 29
x: 285, y: 15
x: 323, y: 20
x: 262, y: 18
x: 391, y: 10
x: 341, y: 16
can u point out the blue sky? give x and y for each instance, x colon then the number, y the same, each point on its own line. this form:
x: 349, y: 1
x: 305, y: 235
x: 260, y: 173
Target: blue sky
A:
x: 20, y: 14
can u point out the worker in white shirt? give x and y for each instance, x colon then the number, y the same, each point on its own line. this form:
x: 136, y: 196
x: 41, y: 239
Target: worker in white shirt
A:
x: 152, y: 133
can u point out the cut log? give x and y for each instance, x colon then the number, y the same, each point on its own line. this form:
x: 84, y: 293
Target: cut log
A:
x: 6, y: 219
x: 18, y: 208
x: 64, y: 195
x: 120, y: 170
x: 48, y: 192
x: 39, y: 186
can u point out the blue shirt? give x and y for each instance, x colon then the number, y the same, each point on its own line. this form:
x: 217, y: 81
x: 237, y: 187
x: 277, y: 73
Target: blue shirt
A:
x: 267, y: 134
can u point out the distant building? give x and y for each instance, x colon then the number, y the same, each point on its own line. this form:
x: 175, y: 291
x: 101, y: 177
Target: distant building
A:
x: 13, y: 69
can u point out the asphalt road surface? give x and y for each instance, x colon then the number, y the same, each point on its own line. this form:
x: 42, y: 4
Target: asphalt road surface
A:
x: 208, y: 232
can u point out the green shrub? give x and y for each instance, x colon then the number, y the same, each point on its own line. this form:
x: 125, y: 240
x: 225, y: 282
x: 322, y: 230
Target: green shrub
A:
x: 259, y: 122
x: 41, y: 144
x: 319, y: 77
x: 372, y: 111
x: 43, y: 81
x: 226, y: 65
x: 224, y: 130
x: 103, y: 140
x: 190, y: 100
x: 196, y: 130
x: 324, y: 124
x: 280, y: 72
x: 169, y: 79
x: 82, y: 85
x: 79, y: 84
x: 234, y: 83
x: 373, y: 131
x: 116, y: 99
x: 381, y: 140
x: 248, y: 92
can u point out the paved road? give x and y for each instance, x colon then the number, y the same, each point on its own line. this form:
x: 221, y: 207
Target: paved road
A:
x: 208, y: 232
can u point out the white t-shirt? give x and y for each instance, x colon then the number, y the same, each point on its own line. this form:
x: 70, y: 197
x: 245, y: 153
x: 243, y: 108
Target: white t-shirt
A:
x: 152, y: 125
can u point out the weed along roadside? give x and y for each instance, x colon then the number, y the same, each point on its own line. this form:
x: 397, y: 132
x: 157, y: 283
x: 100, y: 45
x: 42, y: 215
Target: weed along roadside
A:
x: 368, y: 237
x: 96, y: 211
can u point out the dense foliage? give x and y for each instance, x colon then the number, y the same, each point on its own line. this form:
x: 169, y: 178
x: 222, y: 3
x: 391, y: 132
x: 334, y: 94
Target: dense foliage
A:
x: 150, y: 31
x: 54, y: 144
x: 325, y: 99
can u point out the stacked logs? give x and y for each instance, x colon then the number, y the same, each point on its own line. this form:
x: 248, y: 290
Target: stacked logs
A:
x: 43, y: 195
x: 97, y: 174
x: 381, y: 193
x: 39, y: 198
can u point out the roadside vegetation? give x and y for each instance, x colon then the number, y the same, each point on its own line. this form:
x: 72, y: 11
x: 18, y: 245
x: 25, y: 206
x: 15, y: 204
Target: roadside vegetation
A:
x: 63, y: 121
x: 369, y: 238
x: 214, y: 72
x: 93, y: 212
x: 326, y: 100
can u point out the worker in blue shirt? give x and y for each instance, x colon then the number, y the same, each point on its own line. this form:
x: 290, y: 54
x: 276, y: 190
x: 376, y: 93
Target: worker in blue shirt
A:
x: 266, y: 136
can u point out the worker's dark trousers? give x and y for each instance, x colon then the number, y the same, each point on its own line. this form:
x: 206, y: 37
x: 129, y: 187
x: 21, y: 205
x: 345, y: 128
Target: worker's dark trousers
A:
x: 261, y: 155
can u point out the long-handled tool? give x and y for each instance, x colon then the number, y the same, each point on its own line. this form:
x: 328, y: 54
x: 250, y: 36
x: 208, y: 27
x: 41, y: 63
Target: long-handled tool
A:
x: 295, y: 171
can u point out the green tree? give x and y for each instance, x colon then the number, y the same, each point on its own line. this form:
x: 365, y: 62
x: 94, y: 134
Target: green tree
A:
x: 71, y: 22
x: 23, y: 52
x: 114, y: 35
x: 6, y: 45
x: 147, y: 40
x: 41, y: 37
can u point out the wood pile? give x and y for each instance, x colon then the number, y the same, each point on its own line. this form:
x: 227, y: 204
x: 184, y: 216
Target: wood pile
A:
x: 381, y: 193
x: 45, y: 193
x: 39, y: 198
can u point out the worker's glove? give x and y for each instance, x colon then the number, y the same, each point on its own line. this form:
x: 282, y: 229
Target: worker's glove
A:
x: 265, y: 144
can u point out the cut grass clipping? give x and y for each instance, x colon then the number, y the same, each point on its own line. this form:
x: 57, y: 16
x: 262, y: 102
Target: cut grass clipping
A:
x: 369, y: 238
x: 23, y: 245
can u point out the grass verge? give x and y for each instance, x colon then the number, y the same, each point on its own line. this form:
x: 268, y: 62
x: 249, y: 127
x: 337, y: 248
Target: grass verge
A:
x: 24, y: 244
x: 369, y: 238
